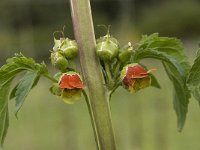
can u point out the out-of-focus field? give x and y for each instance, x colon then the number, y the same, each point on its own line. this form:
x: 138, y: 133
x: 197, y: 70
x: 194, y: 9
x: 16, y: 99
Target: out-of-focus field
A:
x: 142, y: 121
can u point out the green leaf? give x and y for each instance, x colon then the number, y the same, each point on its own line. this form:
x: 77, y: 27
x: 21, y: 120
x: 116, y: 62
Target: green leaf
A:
x: 23, y: 88
x: 4, y: 117
x: 196, y: 93
x: 181, y: 95
x: 194, y: 77
x: 19, y: 63
x: 13, y: 91
x: 8, y: 72
x: 170, y: 52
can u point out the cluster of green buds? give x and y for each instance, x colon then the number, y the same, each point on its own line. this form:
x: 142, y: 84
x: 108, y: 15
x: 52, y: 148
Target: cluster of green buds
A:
x: 108, y: 49
x: 64, y: 50
x: 118, y: 67
x: 69, y: 85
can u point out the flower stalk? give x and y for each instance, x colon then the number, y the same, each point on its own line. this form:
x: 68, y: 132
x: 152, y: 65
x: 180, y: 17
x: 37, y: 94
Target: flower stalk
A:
x: 97, y: 95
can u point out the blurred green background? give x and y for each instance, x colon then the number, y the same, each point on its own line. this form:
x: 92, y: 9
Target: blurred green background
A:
x: 142, y: 121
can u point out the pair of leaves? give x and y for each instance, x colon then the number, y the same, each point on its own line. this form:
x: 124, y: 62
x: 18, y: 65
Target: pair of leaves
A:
x: 170, y: 52
x: 8, y: 72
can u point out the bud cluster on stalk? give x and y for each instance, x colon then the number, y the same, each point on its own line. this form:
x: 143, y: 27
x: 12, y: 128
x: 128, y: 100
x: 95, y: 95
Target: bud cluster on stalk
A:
x: 117, y: 64
x: 70, y: 85
x: 118, y: 67
x: 64, y: 50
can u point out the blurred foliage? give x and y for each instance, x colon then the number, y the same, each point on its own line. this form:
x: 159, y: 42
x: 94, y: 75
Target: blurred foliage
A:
x: 172, y: 19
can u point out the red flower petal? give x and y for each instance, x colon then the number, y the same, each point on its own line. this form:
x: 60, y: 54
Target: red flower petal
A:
x: 136, y: 72
x: 69, y: 81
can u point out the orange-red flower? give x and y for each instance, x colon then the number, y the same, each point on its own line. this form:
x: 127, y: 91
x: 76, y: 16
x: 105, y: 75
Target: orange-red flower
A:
x: 71, y: 86
x: 135, y: 77
x: 71, y: 81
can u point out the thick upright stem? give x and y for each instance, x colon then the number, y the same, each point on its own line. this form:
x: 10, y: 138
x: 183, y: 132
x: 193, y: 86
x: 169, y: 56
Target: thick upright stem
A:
x: 98, y: 96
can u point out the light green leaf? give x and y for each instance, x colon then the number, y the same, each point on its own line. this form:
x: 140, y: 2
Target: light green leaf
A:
x: 24, y: 88
x: 170, y: 52
x: 4, y: 117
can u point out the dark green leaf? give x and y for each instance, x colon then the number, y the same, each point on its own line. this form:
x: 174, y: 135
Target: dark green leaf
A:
x: 196, y: 93
x: 24, y: 88
x: 181, y: 95
x: 194, y: 77
x: 170, y: 52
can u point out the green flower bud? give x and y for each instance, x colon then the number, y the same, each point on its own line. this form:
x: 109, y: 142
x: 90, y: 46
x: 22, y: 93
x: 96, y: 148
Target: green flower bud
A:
x: 107, y: 48
x: 58, y: 61
x: 125, y: 53
x: 69, y: 48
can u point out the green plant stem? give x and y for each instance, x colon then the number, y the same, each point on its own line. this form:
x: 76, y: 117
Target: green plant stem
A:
x: 50, y: 78
x: 98, y: 96
x: 117, y: 69
x: 109, y: 76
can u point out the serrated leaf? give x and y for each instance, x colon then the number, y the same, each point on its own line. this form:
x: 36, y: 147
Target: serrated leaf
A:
x: 181, y: 96
x: 4, y: 118
x: 24, y: 88
x: 170, y: 52
x: 8, y: 71
x: 19, y: 63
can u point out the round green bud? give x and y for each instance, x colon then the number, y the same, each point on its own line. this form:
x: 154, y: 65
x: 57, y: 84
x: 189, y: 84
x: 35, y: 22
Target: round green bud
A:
x: 58, y: 61
x: 125, y: 53
x: 69, y: 48
x: 107, y: 48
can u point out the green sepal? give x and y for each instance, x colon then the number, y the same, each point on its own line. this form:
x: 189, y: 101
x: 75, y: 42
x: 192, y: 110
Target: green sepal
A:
x: 70, y: 96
